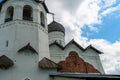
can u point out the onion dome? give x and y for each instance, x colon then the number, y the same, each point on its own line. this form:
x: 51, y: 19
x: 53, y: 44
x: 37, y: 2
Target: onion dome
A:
x: 55, y: 26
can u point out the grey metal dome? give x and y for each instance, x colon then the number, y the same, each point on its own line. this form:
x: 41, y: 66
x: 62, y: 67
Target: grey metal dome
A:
x: 55, y: 26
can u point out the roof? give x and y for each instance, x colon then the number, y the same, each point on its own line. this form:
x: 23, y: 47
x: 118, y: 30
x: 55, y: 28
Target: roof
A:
x: 74, y: 42
x: 56, y: 43
x: 93, y: 48
x: 5, y: 62
x: 86, y: 76
x: 38, y: 1
x: 28, y: 47
x: 46, y: 63
x: 55, y: 26
x: 80, y: 47
x: 71, y: 42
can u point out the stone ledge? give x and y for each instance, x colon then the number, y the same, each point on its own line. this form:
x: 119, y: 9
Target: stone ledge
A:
x: 29, y: 23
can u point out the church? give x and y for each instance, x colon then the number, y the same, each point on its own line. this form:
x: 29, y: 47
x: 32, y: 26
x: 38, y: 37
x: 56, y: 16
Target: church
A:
x: 31, y: 49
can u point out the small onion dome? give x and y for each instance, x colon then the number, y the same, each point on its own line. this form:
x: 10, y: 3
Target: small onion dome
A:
x: 55, y: 26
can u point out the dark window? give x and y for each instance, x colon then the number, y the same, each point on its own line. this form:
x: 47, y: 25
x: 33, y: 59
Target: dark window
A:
x: 9, y: 14
x: 27, y: 13
x: 42, y: 17
x: 7, y: 43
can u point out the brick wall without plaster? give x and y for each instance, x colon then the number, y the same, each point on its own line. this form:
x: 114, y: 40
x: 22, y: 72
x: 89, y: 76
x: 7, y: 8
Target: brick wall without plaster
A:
x: 74, y: 63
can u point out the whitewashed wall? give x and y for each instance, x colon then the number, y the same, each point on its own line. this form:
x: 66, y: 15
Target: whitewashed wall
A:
x: 57, y: 36
x: 57, y: 54
x: 18, y: 10
x: 19, y: 33
x: 25, y: 66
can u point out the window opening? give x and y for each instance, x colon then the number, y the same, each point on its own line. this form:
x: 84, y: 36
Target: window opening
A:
x: 9, y: 14
x: 7, y: 43
x: 42, y: 17
x: 27, y: 13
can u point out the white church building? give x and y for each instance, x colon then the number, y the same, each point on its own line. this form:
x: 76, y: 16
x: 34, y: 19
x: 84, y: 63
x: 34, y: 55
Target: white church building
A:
x: 32, y: 50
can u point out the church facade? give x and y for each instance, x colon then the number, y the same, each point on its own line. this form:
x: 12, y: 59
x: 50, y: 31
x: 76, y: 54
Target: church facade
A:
x: 32, y: 50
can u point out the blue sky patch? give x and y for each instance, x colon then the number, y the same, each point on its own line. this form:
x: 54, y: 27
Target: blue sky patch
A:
x: 109, y: 29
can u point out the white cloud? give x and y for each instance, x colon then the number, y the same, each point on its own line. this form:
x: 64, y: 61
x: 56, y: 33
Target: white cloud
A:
x: 71, y: 5
x: 108, y: 3
x: 111, y: 54
x: 75, y: 14
x: 110, y: 10
x: 87, y: 13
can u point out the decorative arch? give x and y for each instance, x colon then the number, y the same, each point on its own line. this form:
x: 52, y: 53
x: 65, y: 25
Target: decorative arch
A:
x: 28, y: 13
x: 42, y: 19
x: 9, y: 14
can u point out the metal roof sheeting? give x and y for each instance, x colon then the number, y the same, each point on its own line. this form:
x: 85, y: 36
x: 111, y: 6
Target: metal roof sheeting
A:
x: 55, y: 26
x: 86, y: 76
x: 45, y: 63
x: 5, y: 62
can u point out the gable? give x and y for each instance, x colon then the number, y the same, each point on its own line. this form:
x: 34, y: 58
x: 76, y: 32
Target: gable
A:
x: 56, y: 47
x: 73, y: 47
x: 5, y: 62
x: 75, y: 43
x: 28, y: 47
x: 46, y: 63
x: 90, y: 50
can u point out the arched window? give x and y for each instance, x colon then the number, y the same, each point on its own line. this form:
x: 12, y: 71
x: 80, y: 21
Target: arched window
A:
x: 27, y: 13
x: 9, y: 14
x: 42, y: 17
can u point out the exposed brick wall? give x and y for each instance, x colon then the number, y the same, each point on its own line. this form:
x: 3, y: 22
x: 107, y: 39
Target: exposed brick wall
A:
x: 74, y: 63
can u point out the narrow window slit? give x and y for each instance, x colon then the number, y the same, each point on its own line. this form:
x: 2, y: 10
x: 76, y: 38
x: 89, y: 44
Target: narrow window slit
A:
x: 7, y: 43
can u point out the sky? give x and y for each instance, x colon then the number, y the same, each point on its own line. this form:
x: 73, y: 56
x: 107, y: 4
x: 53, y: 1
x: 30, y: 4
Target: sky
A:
x: 95, y: 22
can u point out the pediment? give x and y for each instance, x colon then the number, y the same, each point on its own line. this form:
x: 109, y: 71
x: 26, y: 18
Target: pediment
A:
x: 28, y: 47
x: 5, y: 62
x: 46, y: 63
